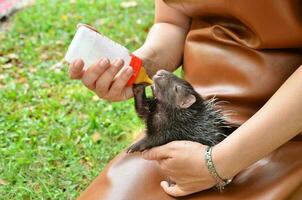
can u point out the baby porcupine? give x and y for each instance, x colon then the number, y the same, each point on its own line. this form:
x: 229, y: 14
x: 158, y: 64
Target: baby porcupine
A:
x: 177, y: 112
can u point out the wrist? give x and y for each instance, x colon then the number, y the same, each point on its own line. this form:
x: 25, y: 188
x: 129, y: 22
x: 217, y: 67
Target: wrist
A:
x: 221, y: 182
x: 225, y: 162
x: 149, y: 57
x: 153, y: 59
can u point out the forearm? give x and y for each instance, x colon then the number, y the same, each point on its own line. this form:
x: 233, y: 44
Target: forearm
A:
x: 279, y: 120
x: 163, y: 48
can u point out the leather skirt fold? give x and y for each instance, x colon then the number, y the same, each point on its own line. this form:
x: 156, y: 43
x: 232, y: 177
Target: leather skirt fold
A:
x: 278, y: 176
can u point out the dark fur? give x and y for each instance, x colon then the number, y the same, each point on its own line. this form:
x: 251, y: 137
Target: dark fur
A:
x: 166, y: 119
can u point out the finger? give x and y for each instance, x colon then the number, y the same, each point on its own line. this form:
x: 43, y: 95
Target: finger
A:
x: 157, y: 153
x: 172, y: 190
x: 120, y: 82
x: 94, y: 72
x: 76, y: 69
x: 128, y: 93
x: 105, y: 80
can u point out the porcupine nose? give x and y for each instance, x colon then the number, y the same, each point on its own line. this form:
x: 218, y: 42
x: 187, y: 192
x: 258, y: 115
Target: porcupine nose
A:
x: 161, y: 75
x: 162, y: 72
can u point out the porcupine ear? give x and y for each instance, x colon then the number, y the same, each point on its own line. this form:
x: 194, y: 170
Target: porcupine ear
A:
x: 187, y: 101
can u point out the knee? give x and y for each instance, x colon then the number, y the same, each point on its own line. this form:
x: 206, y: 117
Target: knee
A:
x: 127, y: 177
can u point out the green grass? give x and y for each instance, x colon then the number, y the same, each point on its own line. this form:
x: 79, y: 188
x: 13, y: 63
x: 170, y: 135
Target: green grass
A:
x: 47, y: 121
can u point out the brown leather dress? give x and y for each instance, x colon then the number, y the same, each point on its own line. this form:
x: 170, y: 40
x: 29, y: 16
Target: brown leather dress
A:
x: 240, y: 51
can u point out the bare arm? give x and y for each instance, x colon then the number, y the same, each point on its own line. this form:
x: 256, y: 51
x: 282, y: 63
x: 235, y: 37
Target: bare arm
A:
x: 274, y: 124
x: 163, y: 49
x: 279, y: 120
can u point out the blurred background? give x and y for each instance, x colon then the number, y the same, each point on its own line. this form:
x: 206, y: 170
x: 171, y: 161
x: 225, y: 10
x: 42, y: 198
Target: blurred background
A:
x: 55, y: 135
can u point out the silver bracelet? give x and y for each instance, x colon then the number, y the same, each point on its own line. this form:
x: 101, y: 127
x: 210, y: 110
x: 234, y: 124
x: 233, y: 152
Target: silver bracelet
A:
x: 221, y: 183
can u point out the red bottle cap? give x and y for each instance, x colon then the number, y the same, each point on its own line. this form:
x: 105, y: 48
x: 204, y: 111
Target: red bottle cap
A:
x: 136, y: 64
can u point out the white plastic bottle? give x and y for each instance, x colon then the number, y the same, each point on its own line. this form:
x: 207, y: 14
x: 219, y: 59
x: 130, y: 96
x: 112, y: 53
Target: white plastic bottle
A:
x: 90, y: 46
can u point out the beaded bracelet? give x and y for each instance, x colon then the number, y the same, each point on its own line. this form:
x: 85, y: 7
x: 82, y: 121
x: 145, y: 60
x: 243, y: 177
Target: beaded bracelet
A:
x: 221, y: 183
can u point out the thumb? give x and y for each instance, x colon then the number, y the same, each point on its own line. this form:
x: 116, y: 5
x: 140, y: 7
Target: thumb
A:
x: 156, y: 153
x: 172, y: 190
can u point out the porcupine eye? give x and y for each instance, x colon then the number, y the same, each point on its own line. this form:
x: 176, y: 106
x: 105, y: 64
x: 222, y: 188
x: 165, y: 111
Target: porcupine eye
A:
x: 175, y: 88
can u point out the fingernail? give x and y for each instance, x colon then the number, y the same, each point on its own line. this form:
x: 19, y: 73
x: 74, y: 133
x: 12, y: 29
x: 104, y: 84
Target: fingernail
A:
x: 118, y: 62
x: 164, y: 183
x: 103, y: 61
x: 100, y: 61
x: 77, y: 62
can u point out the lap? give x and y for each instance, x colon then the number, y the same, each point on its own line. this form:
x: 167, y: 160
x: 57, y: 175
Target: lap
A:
x: 129, y: 177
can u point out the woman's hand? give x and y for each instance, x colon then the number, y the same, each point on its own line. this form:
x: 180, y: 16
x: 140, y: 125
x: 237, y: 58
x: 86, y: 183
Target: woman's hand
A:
x: 183, y: 162
x: 107, y: 80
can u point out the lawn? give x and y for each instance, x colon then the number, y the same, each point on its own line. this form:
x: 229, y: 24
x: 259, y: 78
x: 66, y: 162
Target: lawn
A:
x: 55, y: 135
